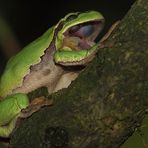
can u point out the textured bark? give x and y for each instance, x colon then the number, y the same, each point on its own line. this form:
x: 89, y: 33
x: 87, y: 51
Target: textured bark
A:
x: 108, y: 100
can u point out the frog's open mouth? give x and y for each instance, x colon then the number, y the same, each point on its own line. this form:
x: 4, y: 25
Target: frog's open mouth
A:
x: 82, y: 36
x: 79, y: 47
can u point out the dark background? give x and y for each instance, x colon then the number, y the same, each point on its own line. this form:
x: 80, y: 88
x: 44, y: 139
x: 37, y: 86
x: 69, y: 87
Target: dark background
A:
x: 29, y: 19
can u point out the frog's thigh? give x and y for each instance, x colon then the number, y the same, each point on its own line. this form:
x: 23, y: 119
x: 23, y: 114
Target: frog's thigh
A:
x: 5, y: 131
x: 65, y: 80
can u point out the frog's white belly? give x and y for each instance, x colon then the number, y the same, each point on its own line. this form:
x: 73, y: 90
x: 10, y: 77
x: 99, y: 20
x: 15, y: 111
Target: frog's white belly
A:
x: 45, y: 73
x: 65, y: 80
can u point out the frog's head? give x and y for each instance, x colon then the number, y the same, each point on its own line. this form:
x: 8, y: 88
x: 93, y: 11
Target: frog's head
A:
x: 75, y: 40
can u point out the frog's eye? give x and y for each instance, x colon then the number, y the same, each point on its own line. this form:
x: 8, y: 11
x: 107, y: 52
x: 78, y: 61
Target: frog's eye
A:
x: 71, y: 17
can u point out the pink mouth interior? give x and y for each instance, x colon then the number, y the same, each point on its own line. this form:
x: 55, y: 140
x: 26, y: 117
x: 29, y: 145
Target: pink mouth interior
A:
x: 82, y: 36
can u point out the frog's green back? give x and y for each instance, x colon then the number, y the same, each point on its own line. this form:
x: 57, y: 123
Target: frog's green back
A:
x: 18, y: 66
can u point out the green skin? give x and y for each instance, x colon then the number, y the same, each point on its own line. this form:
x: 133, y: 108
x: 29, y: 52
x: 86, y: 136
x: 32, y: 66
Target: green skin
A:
x: 19, y: 66
x: 10, y: 110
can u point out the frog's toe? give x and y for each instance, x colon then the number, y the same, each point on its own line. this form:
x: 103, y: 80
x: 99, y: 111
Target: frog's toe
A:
x: 35, y: 105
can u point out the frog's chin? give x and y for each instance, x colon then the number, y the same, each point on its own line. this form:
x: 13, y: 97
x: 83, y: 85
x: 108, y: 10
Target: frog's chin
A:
x: 75, y: 57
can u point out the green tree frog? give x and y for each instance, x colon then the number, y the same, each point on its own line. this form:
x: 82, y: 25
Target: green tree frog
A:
x: 46, y: 62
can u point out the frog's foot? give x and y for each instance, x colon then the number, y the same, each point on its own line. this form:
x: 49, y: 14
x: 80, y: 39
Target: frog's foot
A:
x: 35, y: 105
x: 103, y: 43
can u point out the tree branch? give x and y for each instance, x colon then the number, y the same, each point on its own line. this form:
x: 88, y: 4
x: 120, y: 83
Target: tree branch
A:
x: 108, y: 100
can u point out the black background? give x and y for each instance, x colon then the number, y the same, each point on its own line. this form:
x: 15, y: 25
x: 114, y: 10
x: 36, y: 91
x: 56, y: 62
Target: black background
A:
x: 29, y: 19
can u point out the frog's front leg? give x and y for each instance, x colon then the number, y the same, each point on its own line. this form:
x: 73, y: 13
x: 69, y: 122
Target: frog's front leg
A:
x: 109, y: 32
x: 35, y: 105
